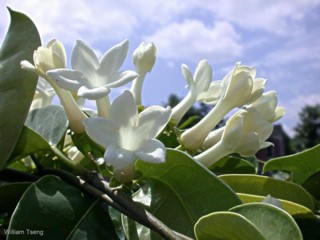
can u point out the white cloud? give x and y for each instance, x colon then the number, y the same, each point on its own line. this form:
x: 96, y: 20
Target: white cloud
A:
x: 73, y: 19
x: 274, y: 16
x: 193, y: 40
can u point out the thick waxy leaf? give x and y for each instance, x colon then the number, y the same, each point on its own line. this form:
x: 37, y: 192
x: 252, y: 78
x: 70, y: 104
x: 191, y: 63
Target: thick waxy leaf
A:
x: 28, y: 143
x: 302, y: 165
x: 50, y: 122
x: 17, y: 86
x: 226, y: 225
x: 233, y: 164
x: 272, y: 222
x: 294, y: 209
x: 180, y: 191
x: 263, y: 186
x: 10, y: 195
x: 312, y: 184
x: 60, y: 211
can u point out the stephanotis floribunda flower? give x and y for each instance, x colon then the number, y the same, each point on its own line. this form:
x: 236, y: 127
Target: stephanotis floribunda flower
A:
x: 143, y: 58
x: 91, y: 78
x: 238, y: 88
x: 201, y: 88
x: 128, y: 136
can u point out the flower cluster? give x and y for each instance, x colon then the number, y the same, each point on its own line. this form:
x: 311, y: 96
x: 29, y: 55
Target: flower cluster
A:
x: 127, y: 134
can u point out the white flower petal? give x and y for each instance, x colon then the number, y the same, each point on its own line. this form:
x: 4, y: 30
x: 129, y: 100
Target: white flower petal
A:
x: 94, y: 93
x: 152, y: 151
x: 84, y: 59
x: 113, y: 58
x: 121, y: 78
x: 58, y: 48
x: 212, y: 95
x: 124, y: 110
x: 187, y: 75
x: 27, y: 65
x: 118, y: 157
x: 152, y: 121
x: 101, y: 130
x: 203, y: 76
x: 68, y: 79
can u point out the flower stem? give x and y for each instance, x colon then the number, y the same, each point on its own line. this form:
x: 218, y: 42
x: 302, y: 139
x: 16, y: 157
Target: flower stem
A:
x: 136, y: 87
x: 103, y: 106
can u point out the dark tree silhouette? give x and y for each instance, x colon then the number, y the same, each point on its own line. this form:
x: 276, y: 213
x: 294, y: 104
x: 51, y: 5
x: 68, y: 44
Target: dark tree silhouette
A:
x: 307, y: 131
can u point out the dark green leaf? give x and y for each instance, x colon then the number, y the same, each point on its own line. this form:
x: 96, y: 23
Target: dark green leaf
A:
x: 310, y: 228
x: 50, y: 122
x: 302, y: 165
x: 312, y: 185
x: 180, y: 191
x: 233, y: 164
x: 272, y: 222
x: 10, y: 195
x: 60, y: 211
x: 263, y: 186
x: 17, y: 86
x: 28, y: 143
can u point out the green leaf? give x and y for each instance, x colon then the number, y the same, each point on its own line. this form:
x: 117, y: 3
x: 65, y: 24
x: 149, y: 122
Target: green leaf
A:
x: 180, y: 191
x: 294, y: 209
x: 263, y: 186
x: 233, y: 164
x: 28, y: 143
x: 17, y: 86
x: 312, y: 185
x: 226, y: 225
x: 272, y: 222
x: 12, y: 193
x: 60, y: 211
x: 302, y: 165
x: 50, y: 122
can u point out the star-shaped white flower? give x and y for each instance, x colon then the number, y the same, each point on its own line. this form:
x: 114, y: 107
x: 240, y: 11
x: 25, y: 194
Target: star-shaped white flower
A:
x: 128, y: 136
x: 91, y: 78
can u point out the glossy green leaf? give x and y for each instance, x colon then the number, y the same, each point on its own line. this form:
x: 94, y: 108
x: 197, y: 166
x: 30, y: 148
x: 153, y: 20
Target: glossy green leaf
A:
x: 17, y: 86
x: 263, y: 186
x: 294, y: 209
x: 302, y: 165
x: 10, y: 195
x: 272, y: 222
x: 233, y: 164
x: 312, y: 185
x: 226, y: 225
x: 28, y: 143
x: 180, y: 191
x: 50, y: 122
x: 61, y: 211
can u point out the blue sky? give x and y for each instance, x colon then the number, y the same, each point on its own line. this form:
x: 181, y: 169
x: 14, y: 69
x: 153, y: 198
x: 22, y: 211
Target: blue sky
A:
x: 280, y: 38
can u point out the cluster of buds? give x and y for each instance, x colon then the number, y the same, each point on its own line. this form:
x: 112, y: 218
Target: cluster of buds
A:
x: 247, y: 130
x: 127, y: 135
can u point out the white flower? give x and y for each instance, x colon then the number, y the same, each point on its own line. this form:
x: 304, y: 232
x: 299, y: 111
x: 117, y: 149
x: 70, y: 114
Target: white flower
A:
x: 43, y: 95
x: 200, y: 89
x: 128, y: 136
x: 144, y: 58
x: 267, y: 107
x: 245, y: 133
x: 90, y: 78
x: 239, y: 87
x: 48, y: 58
